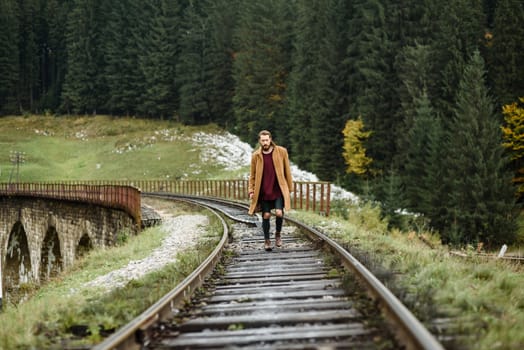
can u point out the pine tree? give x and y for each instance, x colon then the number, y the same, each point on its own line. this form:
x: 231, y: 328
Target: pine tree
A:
x: 160, y: 47
x: 261, y: 67
x: 302, y: 79
x: 408, y: 22
x: 420, y: 140
x: 413, y: 67
x: 371, y: 90
x: 54, y: 59
x: 481, y: 195
x: 194, y: 42
x: 507, y: 51
x: 28, y: 55
x: 84, y: 88
x: 318, y: 100
x: 393, y: 201
x: 458, y: 31
x: 329, y: 107
x: 222, y: 19
x: 121, y: 52
x: 193, y: 69
x: 9, y: 64
x: 434, y: 191
x: 205, y: 63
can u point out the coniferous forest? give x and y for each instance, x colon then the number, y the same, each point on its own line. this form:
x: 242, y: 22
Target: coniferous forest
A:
x: 422, y: 97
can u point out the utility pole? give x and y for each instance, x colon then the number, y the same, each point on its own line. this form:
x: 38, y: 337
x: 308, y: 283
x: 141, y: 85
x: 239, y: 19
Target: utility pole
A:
x: 16, y: 158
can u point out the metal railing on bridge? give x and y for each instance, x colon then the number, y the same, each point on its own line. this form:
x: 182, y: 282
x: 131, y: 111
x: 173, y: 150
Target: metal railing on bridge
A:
x: 310, y: 196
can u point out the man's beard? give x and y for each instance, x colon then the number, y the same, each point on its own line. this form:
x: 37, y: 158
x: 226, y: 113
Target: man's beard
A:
x: 266, y: 147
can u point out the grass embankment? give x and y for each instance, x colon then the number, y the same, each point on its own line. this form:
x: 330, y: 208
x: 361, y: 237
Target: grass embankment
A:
x: 484, y: 299
x: 66, y: 309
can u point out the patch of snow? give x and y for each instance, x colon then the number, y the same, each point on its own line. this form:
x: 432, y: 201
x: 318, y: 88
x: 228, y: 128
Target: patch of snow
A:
x: 81, y: 135
x: 229, y: 151
x: 43, y: 132
x: 226, y: 150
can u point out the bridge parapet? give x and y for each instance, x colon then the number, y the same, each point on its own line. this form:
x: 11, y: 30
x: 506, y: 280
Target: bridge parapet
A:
x: 121, y: 197
x: 306, y: 195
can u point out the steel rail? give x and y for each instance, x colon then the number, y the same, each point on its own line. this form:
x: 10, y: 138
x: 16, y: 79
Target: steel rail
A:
x: 128, y: 337
x: 198, y: 200
x: 413, y: 333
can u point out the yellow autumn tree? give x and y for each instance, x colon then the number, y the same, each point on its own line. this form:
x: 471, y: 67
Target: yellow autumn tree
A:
x: 354, y: 150
x: 513, y: 134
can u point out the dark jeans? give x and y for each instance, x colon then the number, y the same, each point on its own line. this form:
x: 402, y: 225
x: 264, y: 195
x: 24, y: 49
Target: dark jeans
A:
x: 267, y: 206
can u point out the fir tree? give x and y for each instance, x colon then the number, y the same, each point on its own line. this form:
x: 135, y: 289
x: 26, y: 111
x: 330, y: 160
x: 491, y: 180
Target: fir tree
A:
x: 329, y: 107
x: 371, y: 95
x: 84, y: 89
x: 191, y: 67
x: 205, y: 63
x: 55, y: 58
x: 434, y: 191
x: 393, y: 201
x: 261, y: 67
x: 507, y: 51
x: 408, y: 22
x: 9, y: 63
x: 160, y: 47
x: 122, y: 51
x: 318, y: 106
x: 306, y: 38
x: 458, y: 31
x: 28, y: 55
x: 222, y: 19
x: 481, y: 196
x: 413, y: 67
x: 421, y: 141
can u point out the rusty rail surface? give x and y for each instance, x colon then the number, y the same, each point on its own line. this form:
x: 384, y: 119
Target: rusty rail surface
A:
x: 138, y: 334
x: 126, y: 198
x: 310, y: 196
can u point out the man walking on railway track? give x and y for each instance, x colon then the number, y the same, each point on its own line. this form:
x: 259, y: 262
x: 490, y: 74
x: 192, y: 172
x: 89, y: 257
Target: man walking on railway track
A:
x: 270, y: 182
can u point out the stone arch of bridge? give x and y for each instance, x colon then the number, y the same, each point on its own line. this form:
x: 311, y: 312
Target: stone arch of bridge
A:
x: 17, y: 267
x: 41, y: 237
x: 85, y: 244
x: 51, y: 261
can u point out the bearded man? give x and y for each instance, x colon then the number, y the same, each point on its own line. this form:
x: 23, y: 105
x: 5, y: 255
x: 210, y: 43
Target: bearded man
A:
x: 269, y: 185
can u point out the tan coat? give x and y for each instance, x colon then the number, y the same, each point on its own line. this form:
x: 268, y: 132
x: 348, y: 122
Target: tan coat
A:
x: 283, y: 173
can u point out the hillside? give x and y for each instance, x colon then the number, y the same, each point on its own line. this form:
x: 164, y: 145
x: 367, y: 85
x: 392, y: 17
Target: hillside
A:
x: 99, y: 148
x: 105, y: 148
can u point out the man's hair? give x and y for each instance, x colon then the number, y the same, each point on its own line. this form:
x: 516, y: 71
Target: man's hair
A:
x: 264, y: 133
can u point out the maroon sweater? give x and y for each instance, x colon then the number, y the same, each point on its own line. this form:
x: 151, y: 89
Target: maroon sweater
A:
x: 270, y: 187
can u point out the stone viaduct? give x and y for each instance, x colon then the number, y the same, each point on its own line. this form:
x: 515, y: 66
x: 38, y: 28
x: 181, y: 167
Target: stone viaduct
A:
x: 40, y: 237
x: 44, y: 227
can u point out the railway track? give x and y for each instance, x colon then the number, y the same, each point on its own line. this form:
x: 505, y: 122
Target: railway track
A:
x: 295, y: 297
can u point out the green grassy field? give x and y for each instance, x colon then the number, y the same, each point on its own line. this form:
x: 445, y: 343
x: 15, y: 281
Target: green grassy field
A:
x: 483, y: 300
x: 102, y: 148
